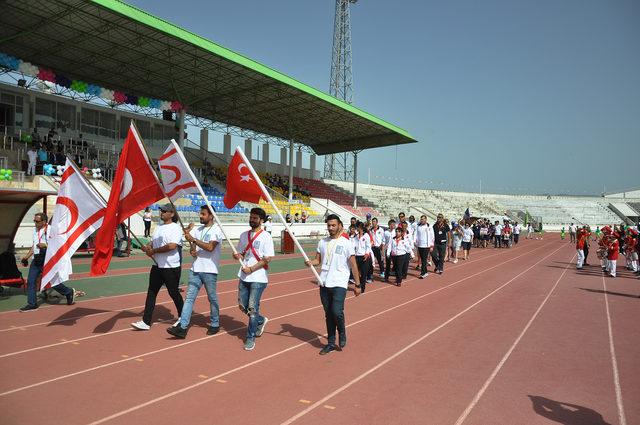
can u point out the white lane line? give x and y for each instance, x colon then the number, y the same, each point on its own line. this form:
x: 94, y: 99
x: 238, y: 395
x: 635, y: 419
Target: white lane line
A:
x: 614, y: 363
x: 504, y: 359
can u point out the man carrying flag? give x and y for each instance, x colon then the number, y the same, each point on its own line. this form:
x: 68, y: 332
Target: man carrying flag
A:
x: 78, y: 213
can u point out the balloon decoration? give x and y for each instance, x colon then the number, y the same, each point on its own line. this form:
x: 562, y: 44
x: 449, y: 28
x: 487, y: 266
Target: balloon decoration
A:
x: 96, y: 173
x: 15, y: 64
x: 48, y: 169
x: 6, y: 174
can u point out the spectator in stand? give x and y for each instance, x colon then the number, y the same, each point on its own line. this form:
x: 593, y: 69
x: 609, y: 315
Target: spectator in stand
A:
x: 296, y: 218
x: 35, y: 137
x: 42, y: 155
x: 205, y: 182
x: 303, y: 218
x: 287, y: 218
x: 32, y: 154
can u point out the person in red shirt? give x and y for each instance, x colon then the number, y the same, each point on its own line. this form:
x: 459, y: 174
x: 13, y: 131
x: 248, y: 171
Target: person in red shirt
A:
x: 614, y: 250
x: 630, y: 252
x: 580, y: 237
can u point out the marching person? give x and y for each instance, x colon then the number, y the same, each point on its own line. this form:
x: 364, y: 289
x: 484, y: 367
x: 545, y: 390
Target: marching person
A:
x: 440, y: 230
x: 378, y: 242
x: 397, y: 250
x: 580, y: 241
x: 255, y: 249
x: 424, y: 242
x: 336, y: 256
x: 614, y: 251
x: 166, y: 250
x: 38, y: 251
x: 146, y: 217
x: 467, y: 240
x: 205, y: 249
x: 516, y: 233
x: 388, y: 235
x: 363, y: 253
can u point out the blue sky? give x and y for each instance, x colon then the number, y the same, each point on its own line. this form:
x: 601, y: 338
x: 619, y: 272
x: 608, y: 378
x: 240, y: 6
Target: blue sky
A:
x: 537, y: 97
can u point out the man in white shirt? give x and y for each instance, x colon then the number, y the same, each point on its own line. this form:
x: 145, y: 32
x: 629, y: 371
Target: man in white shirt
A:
x: 467, y: 239
x: 38, y: 251
x: 424, y: 242
x: 572, y: 233
x: 497, y: 235
x: 32, y: 154
x: 516, y: 232
x: 165, y: 248
x: 255, y: 249
x: 388, y: 235
x: 336, y: 256
x: 205, y: 249
x: 268, y: 225
x: 378, y: 241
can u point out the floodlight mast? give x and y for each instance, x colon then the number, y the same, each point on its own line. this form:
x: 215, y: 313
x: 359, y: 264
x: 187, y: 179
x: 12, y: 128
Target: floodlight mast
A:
x: 341, y: 166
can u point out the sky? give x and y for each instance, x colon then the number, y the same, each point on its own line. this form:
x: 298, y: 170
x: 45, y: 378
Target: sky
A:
x: 506, y: 96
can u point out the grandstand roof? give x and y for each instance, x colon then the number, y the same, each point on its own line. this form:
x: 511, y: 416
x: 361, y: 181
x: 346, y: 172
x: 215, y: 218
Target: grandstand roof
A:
x: 121, y: 47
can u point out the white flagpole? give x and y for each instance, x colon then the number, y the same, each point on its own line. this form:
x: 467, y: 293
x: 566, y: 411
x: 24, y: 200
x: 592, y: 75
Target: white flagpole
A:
x: 215, y: 216
x: 273, y: 204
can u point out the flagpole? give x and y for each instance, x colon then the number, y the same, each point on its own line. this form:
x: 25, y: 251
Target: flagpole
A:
x: 206, y: 200
x: 77, y: 170
x: 273, y: 204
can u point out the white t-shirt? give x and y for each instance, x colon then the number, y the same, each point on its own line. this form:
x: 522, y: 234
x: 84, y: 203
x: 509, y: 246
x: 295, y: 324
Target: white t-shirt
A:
x: 467, y: 234
x: 378, y: 236
x: 40, y: 236
x: 334, y: 256
x: 498, y: 230
x: 33, y: 156
x: 163, y: 235
x: 207, y: 261
x: 268, y: 226
x: 263, y: 245
x: 146, y: 216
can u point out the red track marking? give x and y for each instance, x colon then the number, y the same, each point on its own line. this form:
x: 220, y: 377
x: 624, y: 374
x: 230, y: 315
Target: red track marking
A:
x: 408, y: 347
x: 288, y: 349
x: 563, y: 359
x: 179, y: 345
x: 504, y: 359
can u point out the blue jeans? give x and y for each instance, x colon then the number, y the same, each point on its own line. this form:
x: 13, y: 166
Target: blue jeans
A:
x: 249, y: 294
x: 34, y: 273
x: 196, y: 280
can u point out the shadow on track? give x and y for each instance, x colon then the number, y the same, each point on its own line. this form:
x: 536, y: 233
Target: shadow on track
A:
x: 600, y: 291
x: 566, y: 413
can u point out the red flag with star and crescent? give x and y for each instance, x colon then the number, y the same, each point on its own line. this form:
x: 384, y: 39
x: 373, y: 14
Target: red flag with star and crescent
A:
x: 134, y: 187
x: 241, y: 184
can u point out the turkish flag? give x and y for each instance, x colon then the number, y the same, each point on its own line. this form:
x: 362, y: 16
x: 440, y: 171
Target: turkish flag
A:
x: 241, y: 183
x: 134, y: 187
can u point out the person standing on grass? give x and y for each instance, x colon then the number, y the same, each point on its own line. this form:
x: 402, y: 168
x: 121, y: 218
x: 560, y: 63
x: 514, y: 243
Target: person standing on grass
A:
x: 441, y: 231
x: 424, y: 242
x: 146, y: 217
x: 467, y: 240
x: 255, y: 249
x: 205, y: 249
x: 165, y: 248
x: 336, y: 256
x: 38, y: 251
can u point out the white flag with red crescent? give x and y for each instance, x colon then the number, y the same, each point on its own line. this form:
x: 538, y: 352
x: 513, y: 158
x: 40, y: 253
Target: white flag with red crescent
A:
x: 177, y: 178
x: 78, y: 213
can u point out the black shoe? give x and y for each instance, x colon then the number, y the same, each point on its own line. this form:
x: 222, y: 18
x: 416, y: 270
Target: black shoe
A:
x: 213, y: 330
x: 327, y: 349
x: 28, y: 307
x: 398, y: 283
x: 342, y: 341
x: 71, y: 298
x: 177, y: 331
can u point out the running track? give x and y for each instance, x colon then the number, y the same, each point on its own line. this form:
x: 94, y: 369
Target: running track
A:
x: 510, y: 337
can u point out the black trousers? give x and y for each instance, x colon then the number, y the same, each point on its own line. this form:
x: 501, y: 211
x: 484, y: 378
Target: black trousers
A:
x: 147, y: 228
x: 158, y: 277
x: 387, y: 268
x: 333, y: 304
x: 516, y: 236
x: 378, y: 255
x: 438, y: 254
x: 405, y: 266
x: 586, y: 253
x: 363, y: 268
x: 424, y: 259
x: 399, y: 265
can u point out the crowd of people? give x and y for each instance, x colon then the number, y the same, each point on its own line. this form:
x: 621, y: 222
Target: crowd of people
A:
x: 611, y: 241
x: 51, y: 150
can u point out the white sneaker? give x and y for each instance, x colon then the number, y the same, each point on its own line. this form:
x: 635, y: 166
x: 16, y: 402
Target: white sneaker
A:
x: 177, y: 322
x: 455, y: 261
x: 141, y: 326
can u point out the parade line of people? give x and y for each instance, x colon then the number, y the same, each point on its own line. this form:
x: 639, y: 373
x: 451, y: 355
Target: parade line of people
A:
x: 611, y: 241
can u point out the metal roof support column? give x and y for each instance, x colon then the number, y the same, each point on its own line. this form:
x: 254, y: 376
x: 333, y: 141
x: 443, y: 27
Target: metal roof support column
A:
x: 180, y: 117
x: 355, y: 180
x: 290, y: 171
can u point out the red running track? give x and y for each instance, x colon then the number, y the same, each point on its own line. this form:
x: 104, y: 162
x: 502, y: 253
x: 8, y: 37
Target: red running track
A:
x: 511, y: 337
